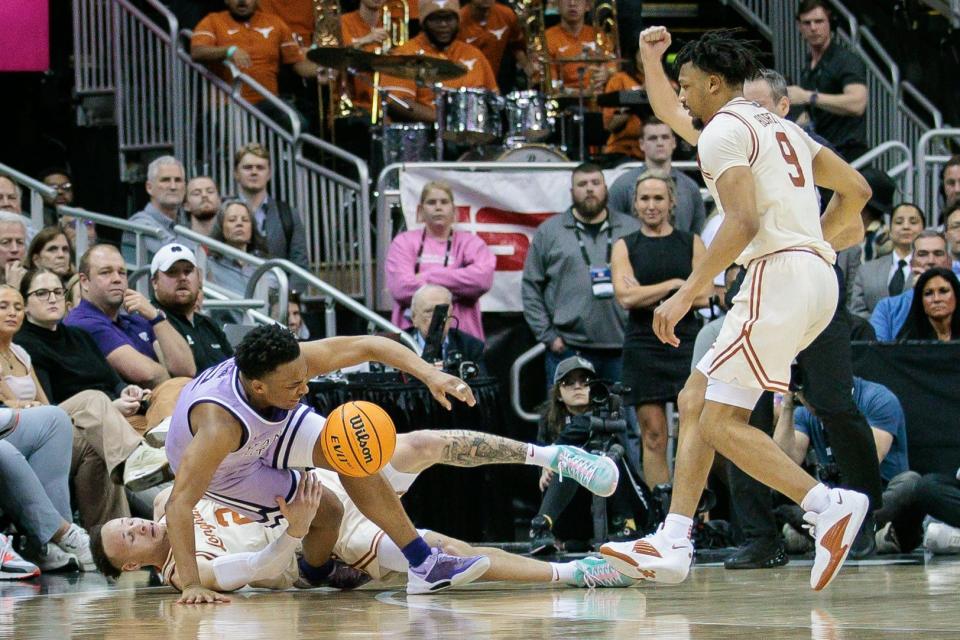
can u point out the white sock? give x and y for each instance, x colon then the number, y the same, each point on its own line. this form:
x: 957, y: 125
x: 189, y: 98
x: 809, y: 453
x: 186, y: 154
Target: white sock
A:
x: 677, y: 526
x: 817, y: 499
x: 541, y: 456
x: 390, y: 556
x: 563, y: 571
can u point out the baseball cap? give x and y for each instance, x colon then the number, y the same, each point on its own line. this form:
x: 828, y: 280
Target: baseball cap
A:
x: 883, y: 187
x: 573, y: 363
x: 168, y: 255
x: 433, y: 6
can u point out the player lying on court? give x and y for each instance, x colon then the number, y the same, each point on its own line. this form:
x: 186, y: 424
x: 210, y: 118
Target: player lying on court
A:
x: 762, y: 172
x: 233, y: 551
x: 239, y: 431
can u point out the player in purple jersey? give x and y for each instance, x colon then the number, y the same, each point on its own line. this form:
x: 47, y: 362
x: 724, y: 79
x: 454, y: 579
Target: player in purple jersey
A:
x: 239, y: 431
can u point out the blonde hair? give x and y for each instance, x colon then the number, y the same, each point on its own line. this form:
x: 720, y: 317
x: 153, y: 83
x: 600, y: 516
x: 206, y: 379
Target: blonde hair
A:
x: 436, y: 184
x: 665, y: 179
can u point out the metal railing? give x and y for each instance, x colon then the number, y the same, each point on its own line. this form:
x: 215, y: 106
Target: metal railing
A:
x: 516, y: 368
x: 93, y: 72
x: 902, y: 172
x: 930, y: 158
x: 949, y: 8
x: 36, y: 190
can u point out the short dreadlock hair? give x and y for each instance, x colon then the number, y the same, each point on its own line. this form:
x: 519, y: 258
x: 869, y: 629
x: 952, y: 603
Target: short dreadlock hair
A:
x: 720, y: 53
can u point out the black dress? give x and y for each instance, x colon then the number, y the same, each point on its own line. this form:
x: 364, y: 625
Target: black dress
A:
x: 654, y: 371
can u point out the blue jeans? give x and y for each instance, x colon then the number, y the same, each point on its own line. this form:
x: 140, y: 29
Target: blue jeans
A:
x: 34, y: 472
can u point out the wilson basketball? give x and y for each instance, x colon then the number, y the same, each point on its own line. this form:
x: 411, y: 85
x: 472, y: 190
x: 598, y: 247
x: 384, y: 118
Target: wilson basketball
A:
x: 358, y: 439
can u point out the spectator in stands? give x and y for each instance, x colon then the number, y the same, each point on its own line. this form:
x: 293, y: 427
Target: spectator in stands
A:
x: 571, y: 38
x: 13, y: 234
x: 568, y: 295
x: 65, y: 367
x: 951, y: 228
x: 202, y: 203
x: 933, y: 313
x: 276, y: 220
x: 295, y: 317
x: 658, y: 144
x: 176, y: 287
x: 950, y: 181
x: 457, y: 346
x: 647, y: 267
x: 625, y: 126
x: 10, y: 195
x: 833, y: 83
x: 440, y: 20
x: 298, y: 14
x: 439, y: 254
x: 59, y: 179
x: 51, y: 250
x: 493, y: 28
x: 256, y: 42
x: 234, y: 225
x: 166, y: 184
x: 799, y: 428
x: 363, y: 29
x: 34, y: 470
x: 888, y: 275
x: 876, y: 236
x: 132, y: 340
x: 890, y: 314
x: 69, y: 226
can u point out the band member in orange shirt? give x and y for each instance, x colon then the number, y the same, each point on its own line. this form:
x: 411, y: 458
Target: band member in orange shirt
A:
x: 493, y: 27
x: 625, y: 127
x: 440, y: 20
x: 572, y: 38
x: 363, y: 29
x: 298, y: 14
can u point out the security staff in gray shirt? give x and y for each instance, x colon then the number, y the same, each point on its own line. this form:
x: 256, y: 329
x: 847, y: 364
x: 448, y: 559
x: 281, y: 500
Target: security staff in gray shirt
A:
x: 567, y: 287
x: 658, y: 144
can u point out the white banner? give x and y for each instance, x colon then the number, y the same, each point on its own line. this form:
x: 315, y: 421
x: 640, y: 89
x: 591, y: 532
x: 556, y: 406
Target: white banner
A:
x: 504, y: 209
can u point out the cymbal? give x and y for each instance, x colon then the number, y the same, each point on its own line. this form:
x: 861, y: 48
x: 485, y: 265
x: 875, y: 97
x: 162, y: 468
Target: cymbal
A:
x: 588, y: 60
x: 418, y: 67
x: 342, y: 58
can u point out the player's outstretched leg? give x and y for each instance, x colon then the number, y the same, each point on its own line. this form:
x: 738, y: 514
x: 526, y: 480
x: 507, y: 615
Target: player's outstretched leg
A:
x: 419, y: 450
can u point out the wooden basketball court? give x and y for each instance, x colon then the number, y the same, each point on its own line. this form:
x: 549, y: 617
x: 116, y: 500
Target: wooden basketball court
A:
x: 872, y: 599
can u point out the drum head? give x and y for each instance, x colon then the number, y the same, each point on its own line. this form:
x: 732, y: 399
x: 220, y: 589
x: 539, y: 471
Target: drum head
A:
x: 532, y: 153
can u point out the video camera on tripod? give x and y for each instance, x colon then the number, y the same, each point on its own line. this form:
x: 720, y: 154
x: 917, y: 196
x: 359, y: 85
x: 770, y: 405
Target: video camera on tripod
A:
x: 453, y: 362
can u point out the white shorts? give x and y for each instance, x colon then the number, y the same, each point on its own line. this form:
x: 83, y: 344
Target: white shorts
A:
x: 786, y: 299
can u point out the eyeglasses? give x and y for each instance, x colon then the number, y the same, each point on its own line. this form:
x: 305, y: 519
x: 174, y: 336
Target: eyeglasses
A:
x: 47, y: 294
x: 574, y: 382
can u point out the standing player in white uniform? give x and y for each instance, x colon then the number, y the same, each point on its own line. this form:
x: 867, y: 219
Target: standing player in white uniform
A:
x: 762, y: 172
x: 233, y: 551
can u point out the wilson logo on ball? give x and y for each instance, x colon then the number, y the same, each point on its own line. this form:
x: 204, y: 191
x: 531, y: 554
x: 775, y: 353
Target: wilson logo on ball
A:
x: 361, y: 436
x: 358, y: 439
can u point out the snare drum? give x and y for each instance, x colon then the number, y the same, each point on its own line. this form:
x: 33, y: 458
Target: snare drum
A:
x: 472, y: 116
x: 532, y: 153
x: 408, y: 142
x: 527, y: 116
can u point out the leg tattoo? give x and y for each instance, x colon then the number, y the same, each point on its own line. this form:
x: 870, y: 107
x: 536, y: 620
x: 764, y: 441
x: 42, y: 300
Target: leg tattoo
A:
x: 474, y: 448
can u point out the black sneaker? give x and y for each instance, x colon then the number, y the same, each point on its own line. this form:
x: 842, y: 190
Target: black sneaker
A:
x: 542, y: 540
x: 763, y: 553
x: 865, y: 544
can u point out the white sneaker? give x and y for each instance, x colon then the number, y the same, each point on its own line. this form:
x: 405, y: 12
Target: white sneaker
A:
x: 77, y: 543
x: 146, y: 467
x: 886, y: 539
x: 12, y: 565
x: 157, y: 436
x: 833, y: 532
x: 941, y: 538
x: 654, y: 557
x: 52, y: 558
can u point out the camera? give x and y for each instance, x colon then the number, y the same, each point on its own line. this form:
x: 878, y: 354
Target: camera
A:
x: 454, y: 364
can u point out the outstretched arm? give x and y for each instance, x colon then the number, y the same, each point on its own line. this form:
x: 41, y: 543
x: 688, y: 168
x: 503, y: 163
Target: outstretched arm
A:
x: 841, y: 222
x: 654, y: 42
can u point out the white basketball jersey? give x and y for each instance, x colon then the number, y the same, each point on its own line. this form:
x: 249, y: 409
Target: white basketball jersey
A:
x: 220, y: 531
x: 780, y: 156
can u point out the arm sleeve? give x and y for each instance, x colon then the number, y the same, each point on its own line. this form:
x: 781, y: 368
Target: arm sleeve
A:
x: 854, y: 71
x: 880, y: 321
x: 858, y: 302
x: 534, y: 305
x: 803, y: 421
x: 290, y: 51
x: 728, y: 143
x: 204, y: 34
x: 474, y: 277
x: 402, y: 282
x: 239, y: 569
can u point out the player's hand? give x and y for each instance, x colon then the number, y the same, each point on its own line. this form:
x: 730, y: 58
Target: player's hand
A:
x: 667, y: 315
x: 197, y: 594
x: 654, y: 42
x: 303, y: 508
x: 136, y: 302
x: 441, y: 384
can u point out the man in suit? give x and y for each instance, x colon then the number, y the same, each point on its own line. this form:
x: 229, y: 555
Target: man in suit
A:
x: 457, y: 346
x: 889, y: 274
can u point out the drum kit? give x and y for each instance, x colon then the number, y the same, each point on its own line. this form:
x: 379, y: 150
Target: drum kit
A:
x: 511, y: 128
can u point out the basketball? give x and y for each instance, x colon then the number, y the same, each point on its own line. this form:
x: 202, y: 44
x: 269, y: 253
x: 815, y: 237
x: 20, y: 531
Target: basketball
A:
x: 358, y: 439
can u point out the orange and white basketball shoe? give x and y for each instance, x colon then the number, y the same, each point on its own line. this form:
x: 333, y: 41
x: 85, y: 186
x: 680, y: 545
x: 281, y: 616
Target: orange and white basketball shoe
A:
x: 833, y: 532
x: 654, y: 557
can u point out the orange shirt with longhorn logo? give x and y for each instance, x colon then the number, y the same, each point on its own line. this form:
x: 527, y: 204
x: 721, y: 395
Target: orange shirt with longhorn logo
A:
x: 298, y: 14
x: 494, y: 35
x: 265, y: 37
x: 562, y: 44
x: 479, y: 73
x: 352, y: 28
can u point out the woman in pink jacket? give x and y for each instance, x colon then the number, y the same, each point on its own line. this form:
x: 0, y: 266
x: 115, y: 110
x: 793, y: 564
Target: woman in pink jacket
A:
x: 436, y: 254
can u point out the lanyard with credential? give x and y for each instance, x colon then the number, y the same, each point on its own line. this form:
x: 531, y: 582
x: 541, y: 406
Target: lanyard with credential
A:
x: 583, y: 248
x: 446, y: 254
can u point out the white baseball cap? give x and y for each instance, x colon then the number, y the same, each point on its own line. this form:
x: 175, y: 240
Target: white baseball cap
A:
x: 170, y: 254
